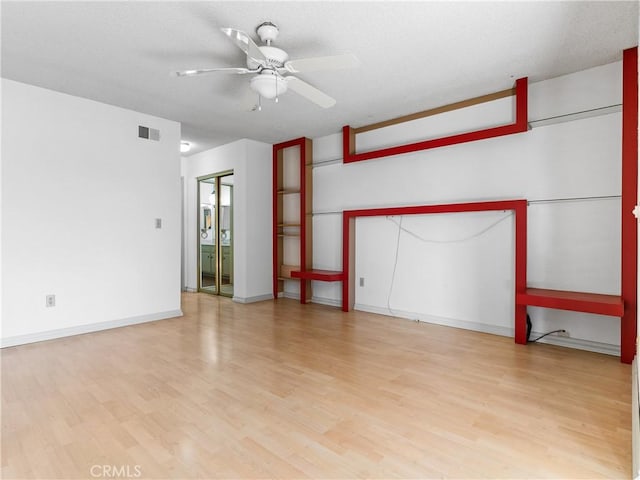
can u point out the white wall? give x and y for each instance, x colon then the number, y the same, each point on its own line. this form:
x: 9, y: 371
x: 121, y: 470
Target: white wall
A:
x: 88, y: 234
x: 252, y: 214
x: 573, y: 245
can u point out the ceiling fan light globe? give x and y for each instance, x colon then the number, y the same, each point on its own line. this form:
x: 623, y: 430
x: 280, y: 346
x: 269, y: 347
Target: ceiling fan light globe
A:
x: 268, y: 86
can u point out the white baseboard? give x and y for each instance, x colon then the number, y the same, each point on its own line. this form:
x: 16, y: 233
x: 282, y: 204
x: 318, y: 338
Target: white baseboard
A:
x: 447, y: 322
x: 191, y: 290
x: 577, y: 343
x: 293, y: 296
x: 332, y: 302
x: 319, y: 300
x: 81, y: 329
x: 257, y: 298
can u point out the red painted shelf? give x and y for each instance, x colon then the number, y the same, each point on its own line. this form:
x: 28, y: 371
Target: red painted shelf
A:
x: 518, y: 126
x: 321, y: 275
x: 611, y: 305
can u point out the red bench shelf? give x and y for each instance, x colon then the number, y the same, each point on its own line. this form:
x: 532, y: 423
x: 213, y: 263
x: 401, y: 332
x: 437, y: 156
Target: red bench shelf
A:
x: 611, y: 305
x: 320, y: 275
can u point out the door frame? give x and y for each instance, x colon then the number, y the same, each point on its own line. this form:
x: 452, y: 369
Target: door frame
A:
x: 218, y: 243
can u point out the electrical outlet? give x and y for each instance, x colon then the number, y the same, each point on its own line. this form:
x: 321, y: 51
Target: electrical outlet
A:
x: 362, y: 281
x: 564, y: 334
x: 50, y: 301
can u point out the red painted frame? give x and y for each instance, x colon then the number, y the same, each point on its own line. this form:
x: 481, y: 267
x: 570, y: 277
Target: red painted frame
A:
x: 597, y: 303
x: 629, y: 249
x: 518, y: 206
x: 520, y: 125
x: 318, y: 275
x: 302, y: 143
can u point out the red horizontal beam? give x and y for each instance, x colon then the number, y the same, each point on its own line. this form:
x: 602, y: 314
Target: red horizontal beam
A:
x: 320, y: 275
x: 298, y: 142
x: 444, y: 208
x: 435, y: 143
x: 596, y: 303
x: 518, y: 126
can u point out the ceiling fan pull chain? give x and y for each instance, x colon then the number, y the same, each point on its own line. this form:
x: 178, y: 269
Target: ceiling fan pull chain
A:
x: 276, y: 89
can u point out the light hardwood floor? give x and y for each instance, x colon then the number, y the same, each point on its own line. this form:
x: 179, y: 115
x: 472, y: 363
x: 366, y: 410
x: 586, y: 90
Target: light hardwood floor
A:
x: 278, y: 389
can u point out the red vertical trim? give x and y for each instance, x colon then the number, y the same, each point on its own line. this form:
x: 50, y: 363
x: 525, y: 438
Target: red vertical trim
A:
x: 522, y: 112
x: 629, y: 249
x: 346, y: 271
x: 275, y: 221
x: 347, y: 136
x: 520, y: 271
x: 303, y: 220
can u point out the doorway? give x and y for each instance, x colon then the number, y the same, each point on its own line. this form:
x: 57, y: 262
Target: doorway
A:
x: 215, y: 234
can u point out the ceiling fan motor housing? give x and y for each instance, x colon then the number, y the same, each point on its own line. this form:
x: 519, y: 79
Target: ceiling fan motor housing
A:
x: 275, y: 58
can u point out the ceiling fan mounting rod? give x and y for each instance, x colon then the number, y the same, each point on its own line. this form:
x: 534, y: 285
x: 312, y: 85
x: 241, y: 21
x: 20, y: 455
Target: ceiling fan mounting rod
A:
x: 267, y: 32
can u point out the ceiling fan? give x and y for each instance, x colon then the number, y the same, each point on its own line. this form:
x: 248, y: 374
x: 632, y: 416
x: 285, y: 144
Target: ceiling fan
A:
x: 270, y: 64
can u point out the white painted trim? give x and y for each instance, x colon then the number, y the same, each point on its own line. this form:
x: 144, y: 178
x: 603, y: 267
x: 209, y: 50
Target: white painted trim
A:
x: 332, y: 302
x: 293, y: 296
x: 576, y: 343
x: 191, y: 290
x: 81, y: 329
x: 257, y: 298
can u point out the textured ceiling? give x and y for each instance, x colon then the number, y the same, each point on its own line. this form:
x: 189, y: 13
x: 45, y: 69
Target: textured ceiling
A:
x: 414, y: 55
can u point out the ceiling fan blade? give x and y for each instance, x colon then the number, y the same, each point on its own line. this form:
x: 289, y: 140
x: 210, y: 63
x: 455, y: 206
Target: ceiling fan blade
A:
x: 334, y: 62
x: 190, y: 73
x: 310, y: 92
x: 244, y: 43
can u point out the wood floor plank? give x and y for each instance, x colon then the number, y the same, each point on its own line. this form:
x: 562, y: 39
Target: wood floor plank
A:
x: 283, y: 390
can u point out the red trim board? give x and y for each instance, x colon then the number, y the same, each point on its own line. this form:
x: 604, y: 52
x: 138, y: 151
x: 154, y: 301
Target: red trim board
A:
x: 629, y: 249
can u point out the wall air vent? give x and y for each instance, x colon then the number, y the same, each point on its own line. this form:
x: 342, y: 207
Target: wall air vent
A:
x: 148, y: 133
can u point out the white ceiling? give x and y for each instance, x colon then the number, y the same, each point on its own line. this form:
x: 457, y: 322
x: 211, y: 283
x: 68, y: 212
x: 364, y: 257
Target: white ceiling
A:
x: 415, y: 55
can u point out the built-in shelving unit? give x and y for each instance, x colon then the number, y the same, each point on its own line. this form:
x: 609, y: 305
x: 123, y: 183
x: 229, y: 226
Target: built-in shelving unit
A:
x: 519, y: 91
x: 623, y: 306
x: 292, y: 204
x: 292, y: 231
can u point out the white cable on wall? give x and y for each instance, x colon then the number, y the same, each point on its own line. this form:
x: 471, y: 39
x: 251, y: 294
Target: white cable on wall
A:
x: 426, y: 240
x: 395, y: 264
